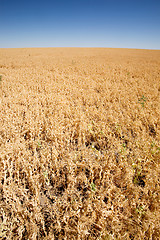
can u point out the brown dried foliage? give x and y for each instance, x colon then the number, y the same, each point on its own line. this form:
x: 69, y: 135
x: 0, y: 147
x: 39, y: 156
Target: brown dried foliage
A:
x: 79, y: 144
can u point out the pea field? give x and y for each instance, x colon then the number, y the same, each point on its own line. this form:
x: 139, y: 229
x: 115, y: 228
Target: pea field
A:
x: 79, y: 144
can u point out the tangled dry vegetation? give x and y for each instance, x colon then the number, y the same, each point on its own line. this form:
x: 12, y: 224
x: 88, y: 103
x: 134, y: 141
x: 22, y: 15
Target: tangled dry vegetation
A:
x: 79, y: 144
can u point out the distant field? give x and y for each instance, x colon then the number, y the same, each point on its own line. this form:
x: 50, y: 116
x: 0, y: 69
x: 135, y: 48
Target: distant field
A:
x: 79, y: 144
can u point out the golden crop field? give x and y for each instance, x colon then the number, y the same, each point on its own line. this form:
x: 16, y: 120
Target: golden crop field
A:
x: 79, y: 144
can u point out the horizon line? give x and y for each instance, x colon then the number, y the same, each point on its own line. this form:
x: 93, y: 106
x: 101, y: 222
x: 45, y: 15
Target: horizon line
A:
x: 131, y: 48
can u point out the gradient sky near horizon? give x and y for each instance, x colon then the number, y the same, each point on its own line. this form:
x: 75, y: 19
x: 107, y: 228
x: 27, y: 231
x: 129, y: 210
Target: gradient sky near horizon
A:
x: 82, y: 23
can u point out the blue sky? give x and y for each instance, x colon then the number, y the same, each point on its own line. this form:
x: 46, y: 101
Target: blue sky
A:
x: 82, y: 23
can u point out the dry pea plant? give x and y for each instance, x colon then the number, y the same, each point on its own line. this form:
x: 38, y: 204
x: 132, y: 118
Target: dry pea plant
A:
x: 79, y: 144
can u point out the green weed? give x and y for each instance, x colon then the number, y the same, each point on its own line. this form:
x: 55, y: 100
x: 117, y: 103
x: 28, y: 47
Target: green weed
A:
x: 93, y: 187
x: 142, y: 100
x: 46, y: 177
x: 140, y: 210
x: 138, y: 176
x: 154, y: 148
x: 39, y: 145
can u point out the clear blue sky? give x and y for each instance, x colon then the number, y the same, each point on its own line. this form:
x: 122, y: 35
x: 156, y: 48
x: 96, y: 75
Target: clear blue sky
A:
x: 80, y: 23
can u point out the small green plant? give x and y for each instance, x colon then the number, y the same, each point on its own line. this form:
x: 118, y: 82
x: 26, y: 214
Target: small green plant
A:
x: 118, y: 127
x: 123, y: 150
x: 138, y: 176
x: 124, y: 146
x: 140, y: 210
x: 108, y: 237
x: 46, y: 177
x: 142, y: 100
x: 96, y: 136
x: 39, y: 145
x: 154, y: 148
x: 93, y: 187
x: 153, y: 144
